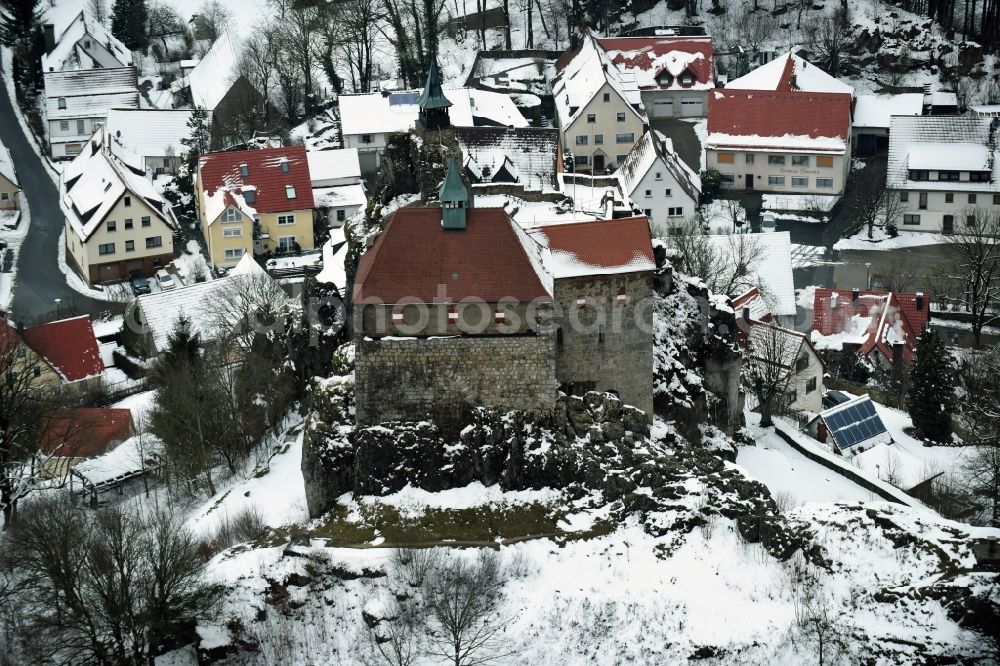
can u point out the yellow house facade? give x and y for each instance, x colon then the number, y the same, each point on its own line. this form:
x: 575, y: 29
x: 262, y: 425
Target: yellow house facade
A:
x: 255, y: 201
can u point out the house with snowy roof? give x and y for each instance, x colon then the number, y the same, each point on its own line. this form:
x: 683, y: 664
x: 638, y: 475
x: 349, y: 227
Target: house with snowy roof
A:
x: 944, y: 168
x: 83, y: 44
x: 159, y: 312
x: 72, y: 436
x: 673, y: 73
x: 453, y: 309
x: 525, y: 157
x: 152, y: 134
x: 9, y: 186
x: 235, y: 107
x: 602, y: 273
x: 367, y: 120
x: 882, y: 327
x: 116, y: 221
x: 872, y: 119
x: 598, y: 107
x: 790, y: 73
x: 77, y: 103
x: 61, y: 353
x: 785, y: 141
x: 659, y: 183
x: 794, y: 353
x: 765, y: 283
x: 255, y: 202
x: 338, y: 191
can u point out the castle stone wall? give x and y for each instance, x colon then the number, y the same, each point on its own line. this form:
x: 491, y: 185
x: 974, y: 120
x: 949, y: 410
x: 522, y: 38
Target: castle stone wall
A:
x: 606, y: 345
x: 443, y: 379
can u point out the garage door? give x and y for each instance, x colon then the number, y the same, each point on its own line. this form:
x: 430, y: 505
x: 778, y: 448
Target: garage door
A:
x: 691, y: 106
x: 663, y: 108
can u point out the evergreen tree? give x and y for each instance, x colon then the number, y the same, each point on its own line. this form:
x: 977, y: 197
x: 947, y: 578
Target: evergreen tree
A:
x: 197, y: 143
x: 21, y: 30
x: 128, y: 23
x: 931, y: 399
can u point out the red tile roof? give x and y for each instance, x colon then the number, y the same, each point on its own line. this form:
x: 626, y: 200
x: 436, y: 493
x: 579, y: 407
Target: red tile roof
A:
x: 769, y: 113
x: 643, y: 52
x: 85, y: 432
x: 222, y: 170
x: 885, y: 310
x: 415, y: 258
x: 67, y: 345
x: 599, y: 246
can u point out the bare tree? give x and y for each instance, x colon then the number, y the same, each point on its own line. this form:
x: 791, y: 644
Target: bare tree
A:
x: 359, y: 26
x: 163, y: 21
x: 413, y: 30
x: 257, y: 60
x: 828, y: 36
x: 106, y: 587
x: 768, y: 367
x: 875, y: 204
x: 212, y: 20
x: 98, y: 10
x: 248, y: 305
x: 972, y: 269
x: 300, y: 41
x: 463, y: 601
x: 394, y: 638
x: 750, y: 30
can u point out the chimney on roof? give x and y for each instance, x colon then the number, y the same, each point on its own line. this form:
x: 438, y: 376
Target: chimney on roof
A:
x: 920, y: 300
x: 898, y: 362
x: 855, y: 293
x: 746, y: 313
x: 49, y: 37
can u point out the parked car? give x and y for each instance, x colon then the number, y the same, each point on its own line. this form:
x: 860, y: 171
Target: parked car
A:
x: 166, y: 280
x: 140, y: 285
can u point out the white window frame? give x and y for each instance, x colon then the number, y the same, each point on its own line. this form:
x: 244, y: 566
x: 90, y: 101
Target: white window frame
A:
x: 234, y: 253
x: 286, y: 220
x: 231, y: 215
x: 232, y: 232
x: 824, y: 183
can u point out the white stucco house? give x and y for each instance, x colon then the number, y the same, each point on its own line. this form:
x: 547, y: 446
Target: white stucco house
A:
x: 338, y: 191
x: 152, y: 134
x: 945, y: 169
x: 659, y: 183
x: 598, y: 107
x: 77, y: 104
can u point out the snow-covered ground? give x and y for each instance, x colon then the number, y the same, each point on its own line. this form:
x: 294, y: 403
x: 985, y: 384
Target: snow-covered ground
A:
x: 787, y: 472
x: 882, y: 241
x: 13, y: 238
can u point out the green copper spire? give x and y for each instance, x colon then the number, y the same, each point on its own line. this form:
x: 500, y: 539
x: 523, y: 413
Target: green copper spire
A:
x: 454, y: 198
x: 433, y: 97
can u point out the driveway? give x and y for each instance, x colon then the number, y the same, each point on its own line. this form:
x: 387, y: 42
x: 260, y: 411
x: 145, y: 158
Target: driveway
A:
x: 39, y: 280
x: 686, y: 142
x: 828, y: 233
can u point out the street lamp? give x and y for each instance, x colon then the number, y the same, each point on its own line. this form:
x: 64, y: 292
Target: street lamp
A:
x: 58, y: 301
x: 868, y: 275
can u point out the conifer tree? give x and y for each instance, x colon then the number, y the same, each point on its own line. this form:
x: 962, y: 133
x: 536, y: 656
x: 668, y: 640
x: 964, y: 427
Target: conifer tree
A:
x: 21, y: 30
x: 931, y: 400
x: 128, y: 23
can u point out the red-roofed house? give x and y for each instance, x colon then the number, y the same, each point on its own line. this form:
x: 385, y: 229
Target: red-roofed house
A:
x: 878, y: 324
x: 780, y: 141
x: 59, y: 353
x: 269, y: 188
x: 73, y: 435
x: 674, y: 74
x: 603, y: 280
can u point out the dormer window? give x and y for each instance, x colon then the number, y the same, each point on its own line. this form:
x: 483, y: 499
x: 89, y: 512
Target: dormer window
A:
x: 289, y: 191
x: 62, y: 102
x: 919, y: 174
x: 244, y: 170
x: 284, y: 165
x: 686, y: 79
x: 250, y: 197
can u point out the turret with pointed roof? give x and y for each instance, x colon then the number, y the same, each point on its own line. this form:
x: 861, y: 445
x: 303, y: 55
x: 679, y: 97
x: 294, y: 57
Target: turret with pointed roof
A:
x: 433, y: 104
x: 454, y: 197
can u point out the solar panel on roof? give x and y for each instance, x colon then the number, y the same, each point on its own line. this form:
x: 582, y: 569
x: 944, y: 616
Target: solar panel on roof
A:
x: 403, y: 98
x: 854, y: 424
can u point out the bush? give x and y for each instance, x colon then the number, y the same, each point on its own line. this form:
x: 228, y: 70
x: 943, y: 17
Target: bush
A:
x: 245, y: 525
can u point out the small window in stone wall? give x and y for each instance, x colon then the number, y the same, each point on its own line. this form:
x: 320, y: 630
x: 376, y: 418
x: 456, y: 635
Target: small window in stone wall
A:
x: 600, y: 335
x: 500, y: 316
x: 559, y: 339
x: 397, y: 316
x: 622, y: 297
x: 581, y: 302
x: 452, y: 315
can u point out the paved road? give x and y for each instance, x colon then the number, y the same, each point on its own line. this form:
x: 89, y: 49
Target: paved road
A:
x: 39, y: 280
